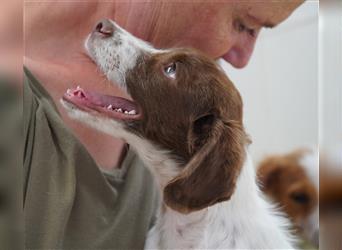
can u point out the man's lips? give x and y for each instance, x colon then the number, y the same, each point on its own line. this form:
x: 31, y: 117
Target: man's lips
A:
x: 110, y: 106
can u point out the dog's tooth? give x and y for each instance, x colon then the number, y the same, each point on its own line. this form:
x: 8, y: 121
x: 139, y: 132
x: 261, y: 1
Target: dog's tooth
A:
x: 110, y: 107
x: 78, y: 87
x: 69, y: 91
x: 126, y: 112
x: 132, y: 112
x: 120, y: 110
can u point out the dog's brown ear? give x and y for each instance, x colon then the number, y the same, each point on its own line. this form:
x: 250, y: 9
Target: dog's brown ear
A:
x: 269, y: 172
x: 211, y: 175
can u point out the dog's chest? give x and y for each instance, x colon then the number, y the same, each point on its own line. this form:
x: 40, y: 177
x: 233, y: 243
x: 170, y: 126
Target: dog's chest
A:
x: 199, y: 230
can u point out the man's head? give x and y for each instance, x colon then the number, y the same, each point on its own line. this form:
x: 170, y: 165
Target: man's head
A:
x: 227, y: 29
x: 184, y: 119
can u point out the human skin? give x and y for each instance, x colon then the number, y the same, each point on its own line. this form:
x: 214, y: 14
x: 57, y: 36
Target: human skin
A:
x: 11, y: 37
x: 55, y: 34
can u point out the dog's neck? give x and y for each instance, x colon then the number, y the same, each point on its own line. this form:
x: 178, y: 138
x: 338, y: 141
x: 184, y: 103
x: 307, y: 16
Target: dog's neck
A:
x: 157, y: 160
x: 212, y: 224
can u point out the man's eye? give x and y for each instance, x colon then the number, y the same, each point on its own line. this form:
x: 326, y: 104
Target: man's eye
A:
x: 170, y: 70
x: 241, y: 27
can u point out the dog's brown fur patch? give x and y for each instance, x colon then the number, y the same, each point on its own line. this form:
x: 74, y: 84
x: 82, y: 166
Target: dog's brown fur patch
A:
x: 198, y: 117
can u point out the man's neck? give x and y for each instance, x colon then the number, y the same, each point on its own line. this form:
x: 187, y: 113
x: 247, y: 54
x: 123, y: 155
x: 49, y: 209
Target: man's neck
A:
x: 70, y: 23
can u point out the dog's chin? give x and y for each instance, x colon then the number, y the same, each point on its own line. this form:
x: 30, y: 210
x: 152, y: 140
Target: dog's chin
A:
x: 94, y: 119
x: 100, y: 105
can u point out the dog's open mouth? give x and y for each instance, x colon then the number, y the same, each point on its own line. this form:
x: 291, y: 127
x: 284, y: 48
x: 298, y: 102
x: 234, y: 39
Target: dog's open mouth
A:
x: 111, y: 106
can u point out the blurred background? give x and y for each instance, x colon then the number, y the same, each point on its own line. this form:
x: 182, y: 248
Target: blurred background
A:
x: 11, y: 53
x: 330, y: 76
x: 330, y: 123
x: 279, y: 87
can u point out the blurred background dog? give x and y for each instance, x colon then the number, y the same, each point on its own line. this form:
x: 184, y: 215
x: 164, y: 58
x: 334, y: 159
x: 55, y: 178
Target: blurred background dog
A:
x: 291, y: 181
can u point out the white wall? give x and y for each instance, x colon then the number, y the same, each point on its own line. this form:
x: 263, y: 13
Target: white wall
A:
x: 330, y: 79
x: 280, y: 85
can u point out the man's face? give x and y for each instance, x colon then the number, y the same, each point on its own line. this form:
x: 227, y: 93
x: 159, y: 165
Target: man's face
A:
x: 226, y: 29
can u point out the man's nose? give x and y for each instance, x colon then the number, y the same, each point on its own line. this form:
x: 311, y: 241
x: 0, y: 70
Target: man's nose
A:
x: 238, y: 57
x: 241, y: 51
x: 105, y: 27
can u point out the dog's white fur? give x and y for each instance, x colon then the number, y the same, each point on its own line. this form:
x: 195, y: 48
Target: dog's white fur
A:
x: 128, y: 48
x: 246, y: 221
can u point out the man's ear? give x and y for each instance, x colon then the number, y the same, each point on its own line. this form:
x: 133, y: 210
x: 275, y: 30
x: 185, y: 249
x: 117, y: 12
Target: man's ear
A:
x: 211, y: 174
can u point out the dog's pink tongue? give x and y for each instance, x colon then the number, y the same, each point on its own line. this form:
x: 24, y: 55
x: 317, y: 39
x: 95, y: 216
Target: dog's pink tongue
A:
x: 110, y: 102
x: 102, y: 103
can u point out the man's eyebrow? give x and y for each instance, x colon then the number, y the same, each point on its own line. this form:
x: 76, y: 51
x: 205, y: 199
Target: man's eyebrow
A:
x: 265, y: 24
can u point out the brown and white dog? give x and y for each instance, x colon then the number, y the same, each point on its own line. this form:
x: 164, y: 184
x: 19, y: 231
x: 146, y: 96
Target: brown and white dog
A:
x: 291, y: 180
x: 185, y: 122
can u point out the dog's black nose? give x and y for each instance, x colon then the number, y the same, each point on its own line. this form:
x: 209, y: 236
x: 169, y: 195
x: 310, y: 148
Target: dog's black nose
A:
x: 105, y: 27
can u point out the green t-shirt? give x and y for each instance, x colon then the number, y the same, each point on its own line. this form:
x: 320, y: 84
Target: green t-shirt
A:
x: 68, y: 202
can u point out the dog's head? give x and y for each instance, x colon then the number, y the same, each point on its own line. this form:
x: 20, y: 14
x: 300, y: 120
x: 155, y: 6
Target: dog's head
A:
x: 181, y: 102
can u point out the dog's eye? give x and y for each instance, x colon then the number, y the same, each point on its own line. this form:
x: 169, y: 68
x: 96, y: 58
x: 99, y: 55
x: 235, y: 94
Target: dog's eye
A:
x: 300, y: 198
x: 170, y: 70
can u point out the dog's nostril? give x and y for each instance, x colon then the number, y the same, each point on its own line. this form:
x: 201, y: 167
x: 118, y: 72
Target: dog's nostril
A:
x: 105, y: 27
x: 98, y: 27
